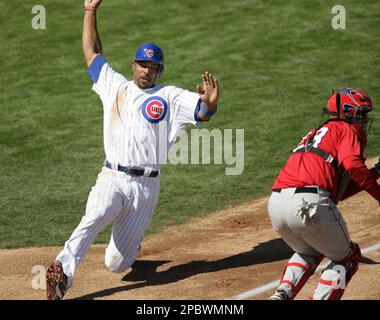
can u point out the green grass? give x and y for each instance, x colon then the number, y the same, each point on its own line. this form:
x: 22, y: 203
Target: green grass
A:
x: 276, y: 61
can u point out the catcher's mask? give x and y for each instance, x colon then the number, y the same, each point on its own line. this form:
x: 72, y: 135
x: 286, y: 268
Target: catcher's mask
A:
x: 352, y: 105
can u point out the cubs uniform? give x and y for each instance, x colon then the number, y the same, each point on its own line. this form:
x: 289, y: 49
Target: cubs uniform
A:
x: 302, y: 207
x: 139, y: 127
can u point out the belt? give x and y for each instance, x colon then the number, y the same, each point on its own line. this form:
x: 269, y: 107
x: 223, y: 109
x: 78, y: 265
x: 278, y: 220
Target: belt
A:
x: 301, y: 190
x: 133, y: 171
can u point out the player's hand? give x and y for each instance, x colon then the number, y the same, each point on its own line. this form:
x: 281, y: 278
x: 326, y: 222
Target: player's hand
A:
x: 91, y: 4
x: 209, y: 91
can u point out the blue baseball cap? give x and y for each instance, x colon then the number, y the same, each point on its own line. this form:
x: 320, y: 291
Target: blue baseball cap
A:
x: 151, y: 52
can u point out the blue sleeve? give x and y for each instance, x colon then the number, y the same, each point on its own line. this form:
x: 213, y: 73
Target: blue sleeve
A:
x: 196, y: 111
x: 95, y: 68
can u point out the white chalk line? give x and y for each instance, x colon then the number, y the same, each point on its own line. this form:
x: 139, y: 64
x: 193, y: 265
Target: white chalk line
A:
x: 274, y: 284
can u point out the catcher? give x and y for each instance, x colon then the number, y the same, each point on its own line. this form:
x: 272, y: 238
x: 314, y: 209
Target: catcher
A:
x: 326, y: 167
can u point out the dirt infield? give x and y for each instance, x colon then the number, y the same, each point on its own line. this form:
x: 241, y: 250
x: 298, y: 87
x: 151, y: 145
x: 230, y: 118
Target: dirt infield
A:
x: 216, y: 257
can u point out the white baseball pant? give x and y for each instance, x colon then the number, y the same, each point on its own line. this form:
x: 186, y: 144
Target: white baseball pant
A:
x: 324, y: 232
x: 126, y: 201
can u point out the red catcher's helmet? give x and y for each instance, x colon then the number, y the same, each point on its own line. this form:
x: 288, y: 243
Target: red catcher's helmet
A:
x: 350, y: 104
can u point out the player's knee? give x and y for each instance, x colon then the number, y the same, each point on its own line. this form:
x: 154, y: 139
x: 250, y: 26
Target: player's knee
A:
x: 94, y: 221
x: 117, y: 264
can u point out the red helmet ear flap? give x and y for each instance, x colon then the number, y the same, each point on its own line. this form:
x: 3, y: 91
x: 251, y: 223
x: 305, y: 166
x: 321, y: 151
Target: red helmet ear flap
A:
x: 333, y: 105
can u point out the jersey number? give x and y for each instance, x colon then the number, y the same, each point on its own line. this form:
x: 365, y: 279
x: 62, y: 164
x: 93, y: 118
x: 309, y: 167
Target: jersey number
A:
x: 317, y: 138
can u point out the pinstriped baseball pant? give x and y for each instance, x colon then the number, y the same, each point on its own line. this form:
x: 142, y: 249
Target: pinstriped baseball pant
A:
x: 125, y: 201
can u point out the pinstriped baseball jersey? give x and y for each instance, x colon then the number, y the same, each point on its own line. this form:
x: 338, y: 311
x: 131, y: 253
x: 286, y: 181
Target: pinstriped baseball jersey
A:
x: 140, y: 125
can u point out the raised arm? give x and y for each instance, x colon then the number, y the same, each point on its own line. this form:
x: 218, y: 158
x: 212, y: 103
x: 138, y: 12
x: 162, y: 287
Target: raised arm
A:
x: 90, y: 39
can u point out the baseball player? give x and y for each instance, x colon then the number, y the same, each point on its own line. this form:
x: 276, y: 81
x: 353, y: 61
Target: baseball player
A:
x: 327, y: 166
x: 141, y: 123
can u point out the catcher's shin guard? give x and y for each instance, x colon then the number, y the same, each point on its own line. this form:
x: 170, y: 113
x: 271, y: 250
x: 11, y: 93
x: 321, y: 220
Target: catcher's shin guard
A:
x: 337, y: 275
x: 297, y: 271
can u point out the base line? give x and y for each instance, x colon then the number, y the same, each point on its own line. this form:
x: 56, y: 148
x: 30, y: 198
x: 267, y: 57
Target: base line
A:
x: 274, y: 284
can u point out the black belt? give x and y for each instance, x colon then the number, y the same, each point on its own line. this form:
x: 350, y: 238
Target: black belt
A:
x: 134, y: 171
x: 301, y: 190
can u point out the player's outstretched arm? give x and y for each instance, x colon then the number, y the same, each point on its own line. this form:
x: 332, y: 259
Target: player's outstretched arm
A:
x: 90, y: 39
x: 209, y: 94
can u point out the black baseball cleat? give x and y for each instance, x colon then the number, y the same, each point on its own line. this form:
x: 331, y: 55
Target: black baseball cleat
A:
x: 56, y: 281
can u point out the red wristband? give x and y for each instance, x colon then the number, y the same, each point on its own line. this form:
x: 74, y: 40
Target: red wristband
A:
x: 90, y: 10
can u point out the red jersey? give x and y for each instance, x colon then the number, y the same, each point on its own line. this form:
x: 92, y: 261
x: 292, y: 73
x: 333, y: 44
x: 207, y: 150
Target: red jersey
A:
x: 346, y: 143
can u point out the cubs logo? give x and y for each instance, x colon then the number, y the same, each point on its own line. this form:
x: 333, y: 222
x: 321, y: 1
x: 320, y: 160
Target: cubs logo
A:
x: 149, y: 53
x: 154, y: 109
